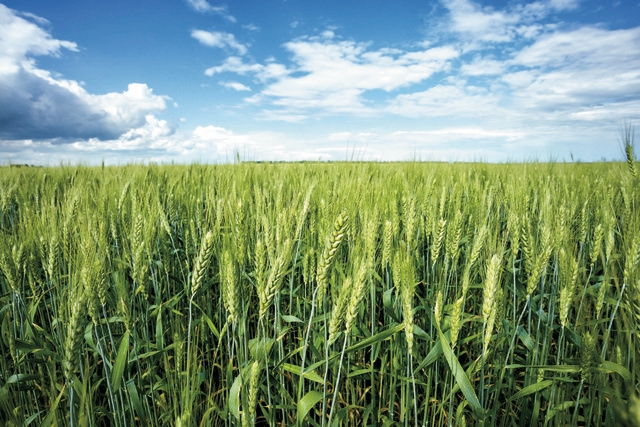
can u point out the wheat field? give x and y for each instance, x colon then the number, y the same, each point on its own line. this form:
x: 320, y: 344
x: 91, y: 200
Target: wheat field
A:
x: 410, y: 294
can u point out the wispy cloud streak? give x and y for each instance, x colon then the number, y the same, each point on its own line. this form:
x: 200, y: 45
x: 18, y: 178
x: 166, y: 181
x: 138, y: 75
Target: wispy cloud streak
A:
x: 203, y: 6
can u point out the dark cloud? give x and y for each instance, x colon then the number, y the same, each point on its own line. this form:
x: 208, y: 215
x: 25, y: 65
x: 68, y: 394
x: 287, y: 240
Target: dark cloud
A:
x: 33, y: 108
x: 35, y: 104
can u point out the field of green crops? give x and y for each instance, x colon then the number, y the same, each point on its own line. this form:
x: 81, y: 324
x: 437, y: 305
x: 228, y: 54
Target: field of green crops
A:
x: 320, y: 294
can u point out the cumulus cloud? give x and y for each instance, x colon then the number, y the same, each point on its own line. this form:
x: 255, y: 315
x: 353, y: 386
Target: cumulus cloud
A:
x: 154, y: 141
x: 216, y: 141
x: 37, y: 104
x: 219, y: 39
x: 153, y: 130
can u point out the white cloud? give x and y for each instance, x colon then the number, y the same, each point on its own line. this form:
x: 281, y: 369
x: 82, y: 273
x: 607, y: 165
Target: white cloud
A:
x: 263, y: 73
x: 36, y: 104
x: 327, y: 34
x: 331, y: 76
x: 461, y: 143
x: 221, y: 144
x: 234, y: 64
x: 153, y: 130
x: 284, y: 115
x: 454, y: 134
x: 483, y: 67
x: 235, y: 86
x: 479, y: 25
x: 585, y: 46
x: 203, y: 6
x: 150, y: 142
x: 127, y: 107
x: 251, y: 27
x: 516, y: 103
x: 154, y: 143
x: 218, y: 39
x: 574, y: 75
x: 575, y: 71
x: 448, y: 100
x: 214, y: 140
x: 200, y: 5
x: 547, y: 75
x: 564, y: 4
x: 522, y: 85
x: 21, y: 39
x: 211, y: 132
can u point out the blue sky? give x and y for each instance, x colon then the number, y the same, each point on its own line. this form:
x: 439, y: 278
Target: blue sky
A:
x: 197, y: 81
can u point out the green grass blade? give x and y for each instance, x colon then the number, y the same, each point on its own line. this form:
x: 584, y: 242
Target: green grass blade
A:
x: 290, y: 319
x: 121, y: 362
x: 159, y: 330
x: 135, y: 401
x: 51, y: 416
x: 607, y: 367
x: 297, y: 371
x: 209, y: 322
x: 307, y: 402
x: 531, y: 389
x: 379, y: 337
x: 234, y: 397
x: 433, y: 355
x: 459, y: 374
x: 525, y: 338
